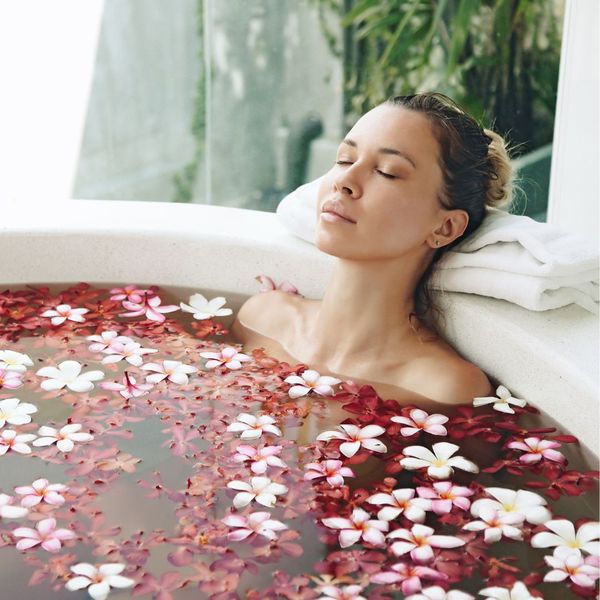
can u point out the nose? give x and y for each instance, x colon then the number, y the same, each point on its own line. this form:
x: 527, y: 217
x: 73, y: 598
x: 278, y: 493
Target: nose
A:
x: 346, y: 182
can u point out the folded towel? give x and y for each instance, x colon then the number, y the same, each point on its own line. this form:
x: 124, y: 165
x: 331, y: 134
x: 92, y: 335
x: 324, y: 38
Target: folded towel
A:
x: 539, y: 266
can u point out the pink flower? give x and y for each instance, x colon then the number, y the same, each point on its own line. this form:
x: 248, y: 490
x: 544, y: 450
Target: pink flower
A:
x: 355, y: 437
x: 150, y: 306
x: 410, y: 575
x: 400, y: 501
x: 129, y: 388
x: 64, y: 438
x: 10, y: 440
x: 566, y: 563
x: 333, y: 470
x: 8, y: 510
x: 258, y: 522
x: 495, y: 525
x: 268, y: 284
x: 359, y: 525
x: 132, y: 352
x: 229, y: 357
x: 348, y: 592
x: 130, y: 292
x: 10, y: 379
x: 536, y: 449
x: 444, y: 494
x: 421, y: 421
x: 261, y: 489
x: 420, y: 541
x: 64, y: 312
x: 40, y: 490
x: 253, y: 427
x: 45, y: 534
x: 106, y: 340
x: 260, y: 458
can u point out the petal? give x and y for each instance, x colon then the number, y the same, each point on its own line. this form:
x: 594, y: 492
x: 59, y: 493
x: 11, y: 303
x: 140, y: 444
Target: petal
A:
x: 99, y: 591
x: 349, y: 449
x: 77, y: 583
x: 348, y: 537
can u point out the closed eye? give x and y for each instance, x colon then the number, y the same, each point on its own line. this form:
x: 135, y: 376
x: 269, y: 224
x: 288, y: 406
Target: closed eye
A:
x: 386, y: 175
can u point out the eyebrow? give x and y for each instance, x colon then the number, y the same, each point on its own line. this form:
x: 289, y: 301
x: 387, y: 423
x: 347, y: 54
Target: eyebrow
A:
x: 352, y: 143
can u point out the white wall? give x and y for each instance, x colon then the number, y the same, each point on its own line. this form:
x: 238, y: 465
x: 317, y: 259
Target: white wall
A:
x: 575, y: 174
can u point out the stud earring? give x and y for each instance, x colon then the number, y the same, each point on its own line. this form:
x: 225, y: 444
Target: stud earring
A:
x: 437, y: 242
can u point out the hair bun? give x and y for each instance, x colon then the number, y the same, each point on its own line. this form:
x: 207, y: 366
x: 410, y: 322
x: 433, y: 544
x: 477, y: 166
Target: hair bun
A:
x: 499, y: 190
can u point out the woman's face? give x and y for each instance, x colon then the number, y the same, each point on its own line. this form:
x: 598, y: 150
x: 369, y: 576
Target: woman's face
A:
x: 386, y: 179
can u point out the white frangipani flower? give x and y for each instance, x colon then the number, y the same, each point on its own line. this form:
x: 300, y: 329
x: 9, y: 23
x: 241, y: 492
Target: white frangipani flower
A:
x: 437, y: 592
x: 355, y: 437
x: 68, y: 373
x: 63, y: 312
x: 253, y: 427
x: 581, y: 571
x: 494, y: 525
x: 98, y: 581
x: 311, y: 380
x: 530, y: 505
x: 420, y: 541
x: 10, y: 380
x: 8, y: 510
x: 15, y: 442
x: 257, y: 522
x: 358, y: 525
x: 15, y: 412
x: 205, y: 309
x: 106, y: 340
x: 14, y: 361
x: 439, y: 463
x: 337, y: 592
x: 564, y: 535
x: 229, y: 357
x: 419, y: 420
x: 41, y: 490
x: 64, y: 438
x: 401, y: 501
x: 502, y: 401
x: 261, y: 489
x: 518, y: 592
x: 171, y: 370
x: 132, y: 352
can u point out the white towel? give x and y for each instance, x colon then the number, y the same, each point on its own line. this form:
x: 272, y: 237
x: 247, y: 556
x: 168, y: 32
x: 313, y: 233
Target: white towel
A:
x: 536, y: 265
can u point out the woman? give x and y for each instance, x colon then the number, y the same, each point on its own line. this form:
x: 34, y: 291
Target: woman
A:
x: 411, y: 180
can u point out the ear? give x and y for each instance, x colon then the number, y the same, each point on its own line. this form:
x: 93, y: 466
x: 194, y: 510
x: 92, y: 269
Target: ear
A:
x: 453, y: 225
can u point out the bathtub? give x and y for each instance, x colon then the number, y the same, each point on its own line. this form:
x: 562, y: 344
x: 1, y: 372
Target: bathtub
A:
x: 549, y: 358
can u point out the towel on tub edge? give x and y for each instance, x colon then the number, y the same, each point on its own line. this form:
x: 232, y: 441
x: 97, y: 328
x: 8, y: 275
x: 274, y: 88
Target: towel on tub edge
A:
x: 539, y: 266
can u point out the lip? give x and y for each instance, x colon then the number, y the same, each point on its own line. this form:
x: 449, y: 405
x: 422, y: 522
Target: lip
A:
x: 335, y: 208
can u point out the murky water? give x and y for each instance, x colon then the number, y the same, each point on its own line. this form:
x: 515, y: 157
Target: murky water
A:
x: 148, y: 486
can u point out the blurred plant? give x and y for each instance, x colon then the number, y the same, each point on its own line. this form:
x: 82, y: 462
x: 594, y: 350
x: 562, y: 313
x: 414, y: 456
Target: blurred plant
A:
x: 499, y: 59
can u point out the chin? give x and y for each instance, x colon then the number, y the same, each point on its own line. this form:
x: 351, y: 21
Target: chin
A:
x: 333, y: 245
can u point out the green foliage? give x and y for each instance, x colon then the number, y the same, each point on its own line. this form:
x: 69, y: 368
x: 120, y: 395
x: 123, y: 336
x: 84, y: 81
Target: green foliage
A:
x: 499, y: 59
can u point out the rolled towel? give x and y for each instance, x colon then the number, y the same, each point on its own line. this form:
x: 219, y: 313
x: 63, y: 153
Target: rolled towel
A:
x: 539, y: 266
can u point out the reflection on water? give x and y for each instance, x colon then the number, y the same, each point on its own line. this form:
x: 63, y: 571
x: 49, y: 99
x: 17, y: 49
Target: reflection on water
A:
x: 150, y: 488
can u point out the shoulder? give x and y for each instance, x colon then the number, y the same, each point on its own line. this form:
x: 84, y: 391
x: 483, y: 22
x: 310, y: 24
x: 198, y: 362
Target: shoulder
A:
x: 450, y: 379
x: 263, y: 312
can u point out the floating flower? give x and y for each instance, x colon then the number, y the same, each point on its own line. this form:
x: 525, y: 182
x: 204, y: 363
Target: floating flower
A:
x: 400, y: 501
x: 98, y: 581
x: 10, y: 440
x: 14, y: 361
x: 494, y: 525
x: 436, y: 592
x: 10, y: 379
x: 44, y: 534
x: 355, y: 437
x: 228, y: 357
x: 172, y: 370
x: 311, y: 380
x: 268, y: 284
x: 420, y: 541
x: 8, y: 510
x: 421, y: 421
x: 531, y: 506
x: 408, y: 575
x: 258, y: 522
x: 64, y: 438
x: 40, y: 490
x: 129, y: 388
x: 68, y: 374
x: 130, y: 292
x: 15, y: 412
x: 502, y: 400
x: 106, y: 340
x: 253, y: 427
x: 204, y: 309
x: 536, y: 449
x: 564, y: 536
x: 348, y: 592
x: 150, y: 306
x: 359, y: 525
x: 261, y: 489
x: 333, y: 470
x: 565, y: 563
x: 439, y: 462
x: 64, y: 312
x: 260, y: 458
x: 132, y: 352
x: 518, y: 592
x: 443, y: 495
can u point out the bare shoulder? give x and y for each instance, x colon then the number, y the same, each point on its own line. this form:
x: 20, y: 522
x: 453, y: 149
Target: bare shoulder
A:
x: 449, y: 379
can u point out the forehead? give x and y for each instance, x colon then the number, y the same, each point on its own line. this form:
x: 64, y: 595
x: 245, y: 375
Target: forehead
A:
x: 396, y: 127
